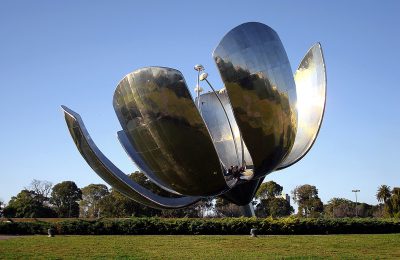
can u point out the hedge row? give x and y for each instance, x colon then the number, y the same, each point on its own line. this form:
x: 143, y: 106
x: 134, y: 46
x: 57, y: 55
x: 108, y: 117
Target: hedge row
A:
x: 188, y: 226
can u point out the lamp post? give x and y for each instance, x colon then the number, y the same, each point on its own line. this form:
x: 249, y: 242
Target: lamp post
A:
x: 355, y: 192
x: 199, y: 68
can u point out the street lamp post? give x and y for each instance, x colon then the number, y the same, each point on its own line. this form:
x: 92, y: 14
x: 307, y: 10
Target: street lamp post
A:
x: 199, y: 68
x: 355, y: 192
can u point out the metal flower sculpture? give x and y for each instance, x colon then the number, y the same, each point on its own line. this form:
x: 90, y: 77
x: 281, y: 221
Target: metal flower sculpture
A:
x: 224, y: 142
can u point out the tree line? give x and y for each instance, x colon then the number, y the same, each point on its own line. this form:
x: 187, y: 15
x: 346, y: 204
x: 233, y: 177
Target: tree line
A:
x: 66, y: 200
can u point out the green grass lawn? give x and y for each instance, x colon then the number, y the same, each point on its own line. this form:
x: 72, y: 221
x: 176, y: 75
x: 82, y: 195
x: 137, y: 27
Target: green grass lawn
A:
x: 203, y: 247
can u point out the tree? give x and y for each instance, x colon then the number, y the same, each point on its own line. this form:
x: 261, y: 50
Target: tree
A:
x: 268, y: 189
x: 116, y: 204
x: 391, y: 200
x: 91, y: 197
x: 224, y: 208
x: 204, y: 207
x: 395, y: 202
x: 342, y: 208
x: 274, y: 207
x: 306, y: 196
x: 42, y: 189
x: 269, y: 203
x: 383, y: 193
x: 339, y: 208
x: 64, y: 197
x: 27, y: 204
x: 197, y: 210
x: 396, y: 191
x: 365, y: 210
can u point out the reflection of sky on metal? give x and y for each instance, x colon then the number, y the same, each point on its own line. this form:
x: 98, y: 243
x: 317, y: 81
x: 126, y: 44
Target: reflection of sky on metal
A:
x: 140, y: 163
x: 257, y: 76
x: 231, y: 140
x: 161, y: 121
x: 310, y: 79
x: 112, y: 174
x: 218, y: 126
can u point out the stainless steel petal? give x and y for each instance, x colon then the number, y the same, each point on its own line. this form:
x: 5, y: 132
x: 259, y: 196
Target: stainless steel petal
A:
x: 156, y: 111
x: 138, y: 160
x: 310, y: 79
x: 111, y: 174
x: 257, y: 75
x: 218, y: 125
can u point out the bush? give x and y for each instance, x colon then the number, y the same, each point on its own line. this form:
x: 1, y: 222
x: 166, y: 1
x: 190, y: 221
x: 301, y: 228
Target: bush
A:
x: 193, y: 226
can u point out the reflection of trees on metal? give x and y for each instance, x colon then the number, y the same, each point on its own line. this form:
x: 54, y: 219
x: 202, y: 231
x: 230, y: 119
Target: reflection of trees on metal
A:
x: 266, y: 120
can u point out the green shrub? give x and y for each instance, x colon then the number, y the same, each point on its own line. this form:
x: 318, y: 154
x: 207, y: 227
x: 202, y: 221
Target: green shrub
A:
x: 194, y: 226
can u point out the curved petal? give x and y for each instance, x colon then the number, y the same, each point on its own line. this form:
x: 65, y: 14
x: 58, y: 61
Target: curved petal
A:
x: 310, y: 79
x: 218, y: 125
x: 257, y: 75
x: 160, y: 119
x: 111, y: 174
x: 138, y: 160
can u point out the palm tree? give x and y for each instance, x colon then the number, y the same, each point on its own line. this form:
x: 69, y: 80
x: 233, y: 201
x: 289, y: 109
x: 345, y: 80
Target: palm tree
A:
x: 383, y: 193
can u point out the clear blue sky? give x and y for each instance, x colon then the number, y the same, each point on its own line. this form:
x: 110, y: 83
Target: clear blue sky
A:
x: 75, y: 52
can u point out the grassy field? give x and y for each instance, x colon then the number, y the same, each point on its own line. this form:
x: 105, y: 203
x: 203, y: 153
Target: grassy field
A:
x: 203, y: 247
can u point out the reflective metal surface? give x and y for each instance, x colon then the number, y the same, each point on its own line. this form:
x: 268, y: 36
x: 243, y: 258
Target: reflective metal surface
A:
x: 161, y: 121
x: 257, y: 75
x: 310, y: 79
x: 138, y: 160
x: 266, y: 120
x: 111, y: 174
x: 221, y: 134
